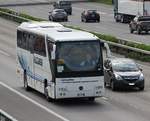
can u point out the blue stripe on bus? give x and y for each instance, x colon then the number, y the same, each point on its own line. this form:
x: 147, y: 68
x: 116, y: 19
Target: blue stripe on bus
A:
x: 24, y: 66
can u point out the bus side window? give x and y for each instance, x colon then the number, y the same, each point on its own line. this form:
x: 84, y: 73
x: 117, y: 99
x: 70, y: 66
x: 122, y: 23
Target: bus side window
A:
x: 24, y: 40
x: 31, y: 41
x: 39, y: 46
x: 19, y: 39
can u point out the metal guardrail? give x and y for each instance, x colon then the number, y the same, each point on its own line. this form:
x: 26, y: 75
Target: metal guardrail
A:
x: 119, y: 48
x: 129, y: 48
x: 36, y: 3
x: 13, y: 17
x: 5, y: 116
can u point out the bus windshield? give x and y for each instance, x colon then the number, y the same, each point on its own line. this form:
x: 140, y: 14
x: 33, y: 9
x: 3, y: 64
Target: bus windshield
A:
x: 78, y: 56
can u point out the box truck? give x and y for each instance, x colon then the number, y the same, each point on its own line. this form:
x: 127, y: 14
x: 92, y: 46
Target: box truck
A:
x: 126, y: 10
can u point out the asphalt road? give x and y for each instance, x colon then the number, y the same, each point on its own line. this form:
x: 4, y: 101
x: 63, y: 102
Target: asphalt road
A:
x: 122, y: 105
x: 106, y: 26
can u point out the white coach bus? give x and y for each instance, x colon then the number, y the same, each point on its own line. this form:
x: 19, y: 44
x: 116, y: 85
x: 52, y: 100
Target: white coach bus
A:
x: 60, y: 62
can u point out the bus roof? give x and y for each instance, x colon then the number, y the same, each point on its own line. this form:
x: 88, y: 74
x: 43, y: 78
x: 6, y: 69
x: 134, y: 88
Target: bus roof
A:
x: 56, y: 31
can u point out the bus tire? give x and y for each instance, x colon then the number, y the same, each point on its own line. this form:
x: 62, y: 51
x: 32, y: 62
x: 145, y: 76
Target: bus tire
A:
x: 139, y: 30
x: 47, y: 95
x: 25, y: 81
x: 91, y: 99
x: 49, y: 99
x: 46, y: 92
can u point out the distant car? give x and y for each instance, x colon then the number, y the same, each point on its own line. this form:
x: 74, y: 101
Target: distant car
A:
x: 90, y: 15
x: 139, y: 24
x: 58, y: 15
x: 122, y: 72
x: 63, y: 4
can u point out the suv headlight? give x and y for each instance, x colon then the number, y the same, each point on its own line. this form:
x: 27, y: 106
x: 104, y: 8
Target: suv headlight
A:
x: 141, y: 77
x: 118, y: 77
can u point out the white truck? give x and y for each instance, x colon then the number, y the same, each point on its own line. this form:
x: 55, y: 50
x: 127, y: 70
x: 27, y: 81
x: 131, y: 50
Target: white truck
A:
x: 126, y: 10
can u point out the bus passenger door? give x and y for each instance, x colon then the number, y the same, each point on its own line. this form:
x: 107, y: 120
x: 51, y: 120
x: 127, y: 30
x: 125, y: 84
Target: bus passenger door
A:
x: 30, y: 58
x: 40, y: 63
x: 51, y: 58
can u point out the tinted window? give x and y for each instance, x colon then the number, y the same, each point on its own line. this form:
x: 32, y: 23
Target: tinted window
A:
x: 22, y: 40
x: 31, y: 42
x: 68, y: 3
x: 91, y: 11
x: 59, y: 11
x: 144, y: 19
x: 19, y: 38
x: 25, y: 41
x: 123, y: 66
x: 79, y: 56
x: 39, y: 46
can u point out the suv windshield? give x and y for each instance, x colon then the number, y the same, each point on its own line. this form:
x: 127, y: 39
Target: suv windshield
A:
x: 65, y: 3
x: 144, y: 18
x: 78, y: 56
x: 124, y: 66
x: 91, y: 11
x: 59, y: 11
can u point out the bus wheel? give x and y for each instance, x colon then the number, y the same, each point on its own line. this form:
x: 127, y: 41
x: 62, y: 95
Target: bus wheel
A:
x: 91, y: 99
x: 47, y: 96
x: 25, y: 81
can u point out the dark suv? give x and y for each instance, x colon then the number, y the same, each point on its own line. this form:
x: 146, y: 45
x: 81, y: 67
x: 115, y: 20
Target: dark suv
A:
x: 63, y: 4
x: 139, y: 24
x: 122, y: 72
x: 90, y: 15
x: 58, y: 15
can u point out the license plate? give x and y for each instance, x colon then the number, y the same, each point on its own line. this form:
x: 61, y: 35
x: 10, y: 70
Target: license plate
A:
x: 131, y: 84
x: 81, y: 94
x: 93, y: 15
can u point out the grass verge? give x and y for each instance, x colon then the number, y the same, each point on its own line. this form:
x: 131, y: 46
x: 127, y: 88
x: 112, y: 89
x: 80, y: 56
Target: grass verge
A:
x: 109, y: 2
x: 101, y: 36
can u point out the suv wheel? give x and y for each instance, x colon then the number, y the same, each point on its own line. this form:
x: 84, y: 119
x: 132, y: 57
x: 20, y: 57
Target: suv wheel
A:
x: 85, y: 20
x: 92, y: 99
x: 113, y: 86
x: 122, y: 19
x: 146, y: 31
x: 138, y: 30
x: 98, y: 20
x: 131, y: 30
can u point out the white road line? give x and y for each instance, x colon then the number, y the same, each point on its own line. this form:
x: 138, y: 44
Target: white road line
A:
x: 7, y: 115
x: 4, y: 53
x: 34, y: 102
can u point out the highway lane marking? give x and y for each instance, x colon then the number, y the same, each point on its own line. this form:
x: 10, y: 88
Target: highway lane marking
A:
x: 4, y: 53
x: 7, y: 115
x: 34, y: 102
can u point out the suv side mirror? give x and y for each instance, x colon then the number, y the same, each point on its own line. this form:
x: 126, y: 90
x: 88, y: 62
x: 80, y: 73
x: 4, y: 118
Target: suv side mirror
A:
x: 54, y: 4
x: 140, y: 69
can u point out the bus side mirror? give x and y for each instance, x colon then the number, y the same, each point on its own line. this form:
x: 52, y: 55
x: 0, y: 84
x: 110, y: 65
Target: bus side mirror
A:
x: 108, y: 53
x: 53, y: 52
x: 140, y: 69
x: 54, y: 4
